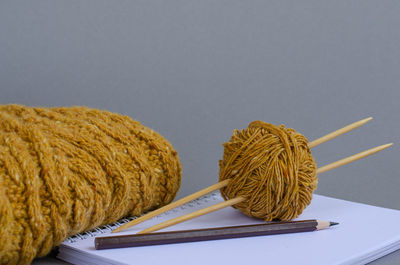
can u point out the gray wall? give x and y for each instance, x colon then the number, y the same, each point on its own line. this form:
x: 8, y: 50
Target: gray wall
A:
x: 196, y: 70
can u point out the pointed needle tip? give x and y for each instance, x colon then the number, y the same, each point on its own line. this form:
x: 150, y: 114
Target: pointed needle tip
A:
x: 364, y: 121
x: 387, y: 145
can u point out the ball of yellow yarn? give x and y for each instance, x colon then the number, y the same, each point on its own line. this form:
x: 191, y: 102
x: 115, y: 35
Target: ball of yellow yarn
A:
x: 67, y: 170
x: 272, y: 167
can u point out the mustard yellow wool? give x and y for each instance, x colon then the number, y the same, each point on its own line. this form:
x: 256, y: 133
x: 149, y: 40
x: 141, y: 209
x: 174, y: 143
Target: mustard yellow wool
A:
x: 272, y: 167
x: 68, y: 170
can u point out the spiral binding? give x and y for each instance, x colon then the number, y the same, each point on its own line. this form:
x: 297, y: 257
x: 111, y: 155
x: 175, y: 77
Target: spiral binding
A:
x: 110, y: 227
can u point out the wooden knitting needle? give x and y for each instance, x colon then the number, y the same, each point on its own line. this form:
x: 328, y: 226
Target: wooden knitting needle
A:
x: 173, y: 205
x: 239, y: 199
x: 352, y: 158
x: 222, y: 184
x: 341, y: 131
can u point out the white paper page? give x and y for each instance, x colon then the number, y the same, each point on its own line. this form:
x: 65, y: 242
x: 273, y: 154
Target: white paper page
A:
x: 365, y: 233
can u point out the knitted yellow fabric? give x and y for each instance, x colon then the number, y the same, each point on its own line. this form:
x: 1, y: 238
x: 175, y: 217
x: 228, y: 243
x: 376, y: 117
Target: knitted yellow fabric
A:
x: 272, y: 167
x: 67, y: 170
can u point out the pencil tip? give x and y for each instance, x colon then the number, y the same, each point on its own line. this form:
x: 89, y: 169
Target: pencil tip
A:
x: 333, y: 223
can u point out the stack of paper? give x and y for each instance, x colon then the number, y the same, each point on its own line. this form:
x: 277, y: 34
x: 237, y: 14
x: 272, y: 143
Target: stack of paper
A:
x: 364, y: 234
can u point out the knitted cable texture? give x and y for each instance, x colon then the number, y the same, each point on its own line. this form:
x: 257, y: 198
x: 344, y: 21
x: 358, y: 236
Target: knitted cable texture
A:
x: 272, y: 167
x: 67, y: 170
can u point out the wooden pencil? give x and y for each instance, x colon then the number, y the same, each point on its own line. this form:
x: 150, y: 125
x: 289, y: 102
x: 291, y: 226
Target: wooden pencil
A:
x: 182, y: 236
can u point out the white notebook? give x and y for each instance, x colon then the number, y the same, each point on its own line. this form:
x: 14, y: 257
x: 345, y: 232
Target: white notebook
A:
x: 364, y: 234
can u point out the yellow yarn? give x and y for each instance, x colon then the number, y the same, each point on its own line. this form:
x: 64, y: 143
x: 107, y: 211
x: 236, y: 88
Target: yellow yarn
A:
x: 272, y: 167
x: 67, y: 170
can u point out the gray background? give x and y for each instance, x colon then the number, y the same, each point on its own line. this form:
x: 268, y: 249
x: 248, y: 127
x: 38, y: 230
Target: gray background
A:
x: 196, y: 70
